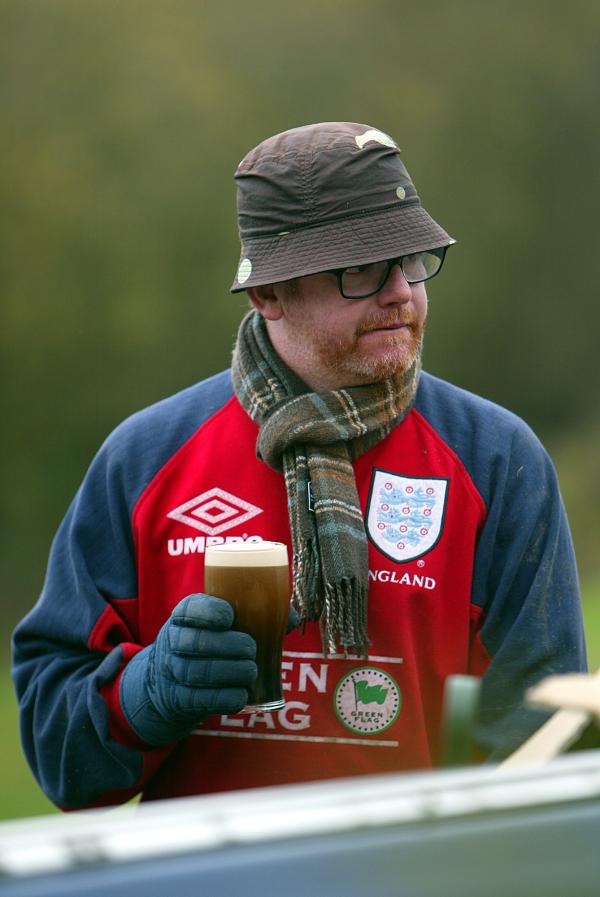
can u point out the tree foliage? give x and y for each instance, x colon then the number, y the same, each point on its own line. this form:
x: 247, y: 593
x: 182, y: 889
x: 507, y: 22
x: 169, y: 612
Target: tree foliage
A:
x: 122, y: 126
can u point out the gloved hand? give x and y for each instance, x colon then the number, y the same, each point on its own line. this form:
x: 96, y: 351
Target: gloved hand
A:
x: 196, y: 667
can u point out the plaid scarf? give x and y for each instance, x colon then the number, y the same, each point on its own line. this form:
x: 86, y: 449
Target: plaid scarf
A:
x: 313, y: 438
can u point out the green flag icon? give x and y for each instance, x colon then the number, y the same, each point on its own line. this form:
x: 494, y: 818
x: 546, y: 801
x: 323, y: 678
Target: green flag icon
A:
x: 367, y: 694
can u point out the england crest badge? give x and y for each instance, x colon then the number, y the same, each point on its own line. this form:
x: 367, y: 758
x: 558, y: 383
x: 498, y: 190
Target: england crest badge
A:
x: 405, y: 515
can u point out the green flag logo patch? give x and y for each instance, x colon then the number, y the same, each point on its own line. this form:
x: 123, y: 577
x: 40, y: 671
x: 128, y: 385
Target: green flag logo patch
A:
x: 367, y: 700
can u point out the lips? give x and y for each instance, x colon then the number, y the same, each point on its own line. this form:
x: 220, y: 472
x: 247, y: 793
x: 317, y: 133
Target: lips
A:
x: 371, y: 326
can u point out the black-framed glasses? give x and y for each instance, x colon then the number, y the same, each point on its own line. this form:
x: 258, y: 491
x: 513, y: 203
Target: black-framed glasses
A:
x: 362, y: 281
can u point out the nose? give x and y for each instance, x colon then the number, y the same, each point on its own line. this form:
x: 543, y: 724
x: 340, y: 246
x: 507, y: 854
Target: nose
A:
x: 396, y: 289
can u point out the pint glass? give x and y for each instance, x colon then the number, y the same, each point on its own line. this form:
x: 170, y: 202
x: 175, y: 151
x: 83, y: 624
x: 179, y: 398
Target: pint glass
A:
x: 254, y: 578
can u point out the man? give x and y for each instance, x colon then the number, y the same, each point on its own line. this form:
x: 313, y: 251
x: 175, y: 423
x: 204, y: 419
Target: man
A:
x: 426, y: 524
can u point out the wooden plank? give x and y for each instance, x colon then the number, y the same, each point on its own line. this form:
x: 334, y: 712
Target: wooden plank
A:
x: 578, y: 697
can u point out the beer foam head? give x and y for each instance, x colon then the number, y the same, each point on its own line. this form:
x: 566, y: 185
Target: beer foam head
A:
x: 246, y: 554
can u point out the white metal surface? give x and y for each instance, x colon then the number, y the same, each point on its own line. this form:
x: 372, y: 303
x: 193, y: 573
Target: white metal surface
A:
x: 165, y: 828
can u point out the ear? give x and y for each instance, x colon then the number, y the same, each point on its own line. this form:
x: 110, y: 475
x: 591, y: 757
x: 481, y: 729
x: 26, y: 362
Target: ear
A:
x: 265, y: 300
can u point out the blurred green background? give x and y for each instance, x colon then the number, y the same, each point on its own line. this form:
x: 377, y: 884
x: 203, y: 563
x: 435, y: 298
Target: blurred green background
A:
x: 122, y: 124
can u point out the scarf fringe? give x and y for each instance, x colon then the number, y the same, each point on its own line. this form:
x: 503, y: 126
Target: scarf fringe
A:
x: 341, y: 611
x: 344, y: 621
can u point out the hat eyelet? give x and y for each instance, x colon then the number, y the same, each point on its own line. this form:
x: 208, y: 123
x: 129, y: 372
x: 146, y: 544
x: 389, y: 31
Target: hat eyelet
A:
x: 244, y: 270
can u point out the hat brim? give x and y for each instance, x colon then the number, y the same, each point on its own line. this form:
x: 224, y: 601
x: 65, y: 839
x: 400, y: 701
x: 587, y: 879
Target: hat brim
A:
x: 338, y: 244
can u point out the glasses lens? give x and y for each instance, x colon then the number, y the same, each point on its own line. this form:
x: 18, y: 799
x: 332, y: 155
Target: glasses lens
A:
x: 363, y: 280
x: 422, y: 265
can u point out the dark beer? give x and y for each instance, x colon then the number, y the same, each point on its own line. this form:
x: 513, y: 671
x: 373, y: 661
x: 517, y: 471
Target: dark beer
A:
x: 254, y: 578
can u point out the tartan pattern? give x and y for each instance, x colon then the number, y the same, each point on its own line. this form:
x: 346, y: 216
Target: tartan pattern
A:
x: 313, y: 439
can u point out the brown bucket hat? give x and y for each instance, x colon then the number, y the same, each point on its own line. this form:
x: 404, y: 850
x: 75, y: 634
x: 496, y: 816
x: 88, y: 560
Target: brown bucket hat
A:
x: 326, y: 196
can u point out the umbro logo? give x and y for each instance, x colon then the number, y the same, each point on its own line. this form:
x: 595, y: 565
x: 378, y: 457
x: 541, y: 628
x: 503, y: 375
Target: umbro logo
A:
x: 214, y: 512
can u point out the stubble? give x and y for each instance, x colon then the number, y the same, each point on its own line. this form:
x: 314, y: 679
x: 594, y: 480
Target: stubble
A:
x: 354, y: 364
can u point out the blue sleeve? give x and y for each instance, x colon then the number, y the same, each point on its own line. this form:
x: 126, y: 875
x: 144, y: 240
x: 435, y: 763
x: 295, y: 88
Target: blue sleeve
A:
x: 59, y: 666
x: 526, y: 582
x: 525, y: 575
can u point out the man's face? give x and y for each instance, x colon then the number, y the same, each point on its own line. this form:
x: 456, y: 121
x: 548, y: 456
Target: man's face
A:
x: 332, y: 342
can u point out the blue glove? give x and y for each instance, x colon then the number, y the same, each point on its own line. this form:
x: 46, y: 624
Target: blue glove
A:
x: 196, y: 667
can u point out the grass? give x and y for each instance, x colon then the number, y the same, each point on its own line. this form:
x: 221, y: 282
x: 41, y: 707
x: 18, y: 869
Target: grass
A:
x: 21, y: 795
x: 591, y: 615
